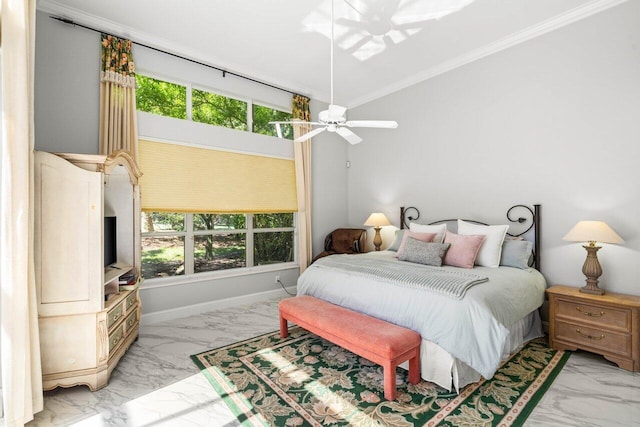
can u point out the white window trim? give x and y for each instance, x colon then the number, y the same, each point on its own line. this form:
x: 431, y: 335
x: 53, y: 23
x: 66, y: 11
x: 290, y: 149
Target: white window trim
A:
x: 190, y: 276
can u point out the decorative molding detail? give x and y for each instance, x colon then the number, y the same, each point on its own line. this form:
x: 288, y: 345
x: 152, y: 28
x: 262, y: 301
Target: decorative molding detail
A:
x: 581, y: 12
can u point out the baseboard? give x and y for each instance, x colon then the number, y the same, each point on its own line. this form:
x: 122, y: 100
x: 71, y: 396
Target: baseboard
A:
x: 195, y: 309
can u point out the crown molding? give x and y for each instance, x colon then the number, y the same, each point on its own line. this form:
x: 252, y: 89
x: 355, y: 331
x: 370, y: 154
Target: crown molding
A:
x: 552, y: 24
x: 588, y: 9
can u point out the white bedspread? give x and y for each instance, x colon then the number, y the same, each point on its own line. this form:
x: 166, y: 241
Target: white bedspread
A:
x: 474, y: 329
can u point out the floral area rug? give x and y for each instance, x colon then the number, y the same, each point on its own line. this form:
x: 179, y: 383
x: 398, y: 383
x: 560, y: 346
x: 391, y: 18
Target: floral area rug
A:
x: 304, y: 380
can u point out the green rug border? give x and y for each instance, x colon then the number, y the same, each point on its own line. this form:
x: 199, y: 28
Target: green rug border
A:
x: 237, y: 412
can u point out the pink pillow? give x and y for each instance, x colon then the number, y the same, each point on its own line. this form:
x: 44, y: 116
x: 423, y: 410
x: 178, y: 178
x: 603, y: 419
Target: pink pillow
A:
x: 463, y: 249
x: 424, y: 237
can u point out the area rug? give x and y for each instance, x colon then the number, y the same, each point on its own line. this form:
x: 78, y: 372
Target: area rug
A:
x: 304, y: 380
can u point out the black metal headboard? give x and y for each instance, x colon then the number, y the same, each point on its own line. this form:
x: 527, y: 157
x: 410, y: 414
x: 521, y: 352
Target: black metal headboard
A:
x: 530, y: 217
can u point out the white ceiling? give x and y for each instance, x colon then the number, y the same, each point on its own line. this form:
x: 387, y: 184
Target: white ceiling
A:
x: 380, y: 45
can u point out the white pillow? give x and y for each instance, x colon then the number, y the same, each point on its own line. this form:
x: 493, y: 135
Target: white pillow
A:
x: 439, y: 230
x: 491, y: 249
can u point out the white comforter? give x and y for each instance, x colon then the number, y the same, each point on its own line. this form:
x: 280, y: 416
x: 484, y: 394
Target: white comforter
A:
x: 473, y: 329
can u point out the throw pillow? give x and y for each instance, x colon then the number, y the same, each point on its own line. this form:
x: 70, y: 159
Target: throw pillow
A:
x: 489, y: 254
x: 439, y: 229
x: 397, y: 240
x: 427, y: 253
x: 463, y: 249
x: 516, y: 253
x: 425, y: 237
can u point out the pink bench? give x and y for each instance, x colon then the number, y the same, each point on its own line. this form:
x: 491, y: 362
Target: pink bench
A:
x: 381, y: 342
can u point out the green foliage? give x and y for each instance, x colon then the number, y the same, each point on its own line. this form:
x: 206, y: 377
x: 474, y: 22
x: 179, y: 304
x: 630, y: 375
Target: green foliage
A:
x: 214, y: 109
x: 263, y: 115
x: 219, y: 221
x: 270, y: 248
x: 273, y: 220
x: 163, y: 221
x: 160, y: 97
x: 170, y: 99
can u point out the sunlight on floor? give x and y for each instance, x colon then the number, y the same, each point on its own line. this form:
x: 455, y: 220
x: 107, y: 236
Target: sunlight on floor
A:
x: 191, y: 401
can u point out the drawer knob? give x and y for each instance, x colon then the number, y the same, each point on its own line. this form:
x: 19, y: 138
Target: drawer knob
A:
x: 590, y: 314
x: 590, y: 336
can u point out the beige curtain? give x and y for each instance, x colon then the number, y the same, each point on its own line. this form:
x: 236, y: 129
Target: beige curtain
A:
x: 302, y: 157
x: 21, y: 371
x: 118, y: 122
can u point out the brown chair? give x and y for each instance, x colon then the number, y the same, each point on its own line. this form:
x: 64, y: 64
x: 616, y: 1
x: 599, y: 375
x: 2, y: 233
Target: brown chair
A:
x: 344, y: 241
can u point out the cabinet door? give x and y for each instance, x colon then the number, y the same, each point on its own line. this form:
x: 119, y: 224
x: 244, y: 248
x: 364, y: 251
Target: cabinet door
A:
x: 68, y: 232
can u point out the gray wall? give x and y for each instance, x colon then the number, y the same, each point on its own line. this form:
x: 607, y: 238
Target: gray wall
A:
x: 554, y: 121
x: 67, y: 117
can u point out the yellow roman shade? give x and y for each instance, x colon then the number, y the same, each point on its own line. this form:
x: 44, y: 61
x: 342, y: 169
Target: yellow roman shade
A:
x: 179, y: 178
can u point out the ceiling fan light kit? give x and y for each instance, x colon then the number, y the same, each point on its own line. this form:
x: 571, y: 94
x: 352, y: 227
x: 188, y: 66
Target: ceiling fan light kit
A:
x: 334, y: 119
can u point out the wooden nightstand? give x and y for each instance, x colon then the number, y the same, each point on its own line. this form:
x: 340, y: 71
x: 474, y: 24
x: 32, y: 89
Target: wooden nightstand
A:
x: 606, y: 324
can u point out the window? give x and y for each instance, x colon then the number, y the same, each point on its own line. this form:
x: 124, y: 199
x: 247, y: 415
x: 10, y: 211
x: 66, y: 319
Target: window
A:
x: 175, y: 244
x: 170, y: 99
x: 160, y: 97
x: 263, y: 115
x: 218, y: 110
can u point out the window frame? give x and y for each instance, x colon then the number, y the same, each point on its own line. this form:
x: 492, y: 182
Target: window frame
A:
x: 190, y: 86
x: 189, y: 251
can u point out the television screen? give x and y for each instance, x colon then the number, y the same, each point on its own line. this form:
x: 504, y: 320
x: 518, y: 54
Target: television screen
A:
x: 109, y: 236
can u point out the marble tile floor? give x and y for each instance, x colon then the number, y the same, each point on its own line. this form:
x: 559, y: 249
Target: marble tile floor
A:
x: 157, y: 384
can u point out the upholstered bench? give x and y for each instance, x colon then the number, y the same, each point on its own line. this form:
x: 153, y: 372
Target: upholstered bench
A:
x: 376, y: 340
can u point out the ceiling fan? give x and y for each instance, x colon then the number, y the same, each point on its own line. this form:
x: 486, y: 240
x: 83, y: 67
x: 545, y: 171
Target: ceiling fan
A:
x: 334, y: 119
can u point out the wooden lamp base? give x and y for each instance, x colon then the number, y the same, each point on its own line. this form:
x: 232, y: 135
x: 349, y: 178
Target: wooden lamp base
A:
x: 592, y: 270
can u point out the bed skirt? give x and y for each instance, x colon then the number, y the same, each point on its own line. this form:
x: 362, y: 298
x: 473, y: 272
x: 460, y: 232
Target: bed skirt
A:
x: 440, y: 367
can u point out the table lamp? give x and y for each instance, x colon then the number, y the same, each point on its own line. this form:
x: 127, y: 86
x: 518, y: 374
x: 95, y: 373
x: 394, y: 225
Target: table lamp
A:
x: 592, y: 232
x: 377, y: 220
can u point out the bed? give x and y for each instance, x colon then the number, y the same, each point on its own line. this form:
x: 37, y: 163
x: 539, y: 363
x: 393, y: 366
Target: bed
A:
x: 470, y: 319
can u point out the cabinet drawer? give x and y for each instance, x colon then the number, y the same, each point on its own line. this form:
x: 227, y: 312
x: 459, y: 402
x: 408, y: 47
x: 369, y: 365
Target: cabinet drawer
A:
x: 114, y: 315
x: 131, y: 301
x: 115, y: 338
x: 131, y: 322
x: 606, y: 317
x: 589, y: 338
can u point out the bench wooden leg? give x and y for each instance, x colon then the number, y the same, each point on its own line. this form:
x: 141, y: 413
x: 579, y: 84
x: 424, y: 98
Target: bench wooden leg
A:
x: 284, y: 329
x: 389, y: 381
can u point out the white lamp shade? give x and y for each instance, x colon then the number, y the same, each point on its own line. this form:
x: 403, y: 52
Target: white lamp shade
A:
x: 377, y: 219
x: 593, y: 231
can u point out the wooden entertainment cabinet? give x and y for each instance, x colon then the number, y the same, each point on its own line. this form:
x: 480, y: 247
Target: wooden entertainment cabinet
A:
x: 82, y: 334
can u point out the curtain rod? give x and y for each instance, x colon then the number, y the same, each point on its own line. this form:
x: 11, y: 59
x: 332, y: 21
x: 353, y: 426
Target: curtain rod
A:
x: 222, y: 70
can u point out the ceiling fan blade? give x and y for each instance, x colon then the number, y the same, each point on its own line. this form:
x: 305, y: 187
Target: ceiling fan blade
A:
x: 389, y: 124
x: 309, y: 135
x: 351, y: 137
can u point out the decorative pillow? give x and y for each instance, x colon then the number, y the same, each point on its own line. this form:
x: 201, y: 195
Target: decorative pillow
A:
x: 489, y: 255
x: 516, y: 253
x: 425, y: 237
x: 395, y: 245
x: 420, y: 252
x: 463, y: 250
x: 439, y: 229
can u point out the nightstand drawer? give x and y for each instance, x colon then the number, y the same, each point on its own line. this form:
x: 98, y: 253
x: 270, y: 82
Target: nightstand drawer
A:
x: 589, y: 338
x: 603, y: 316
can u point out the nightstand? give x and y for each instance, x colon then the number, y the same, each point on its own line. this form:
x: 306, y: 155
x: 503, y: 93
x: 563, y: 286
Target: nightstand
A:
x: 607, y: 324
